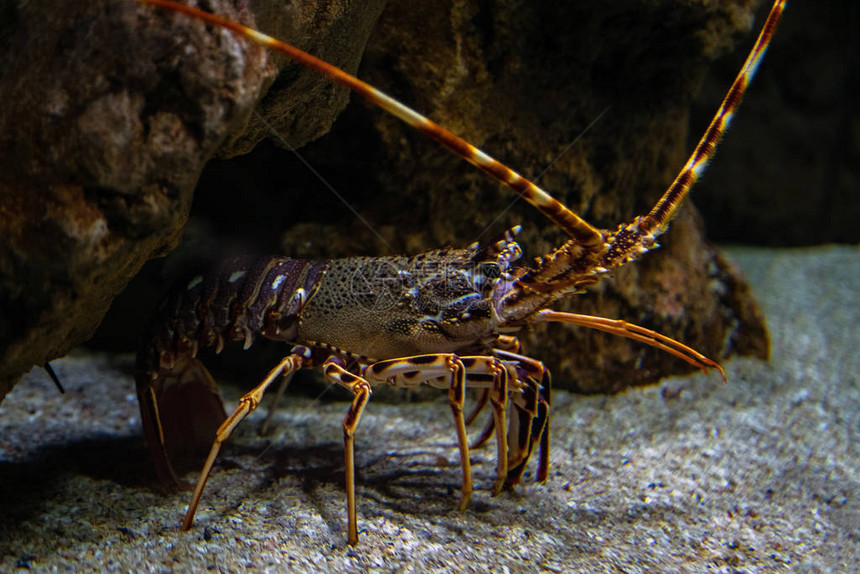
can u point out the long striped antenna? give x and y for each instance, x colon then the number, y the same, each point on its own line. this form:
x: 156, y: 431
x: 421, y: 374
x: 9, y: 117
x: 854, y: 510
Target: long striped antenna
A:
x: 659, y: 216
x: 633, y: 239
x: 577, y: 228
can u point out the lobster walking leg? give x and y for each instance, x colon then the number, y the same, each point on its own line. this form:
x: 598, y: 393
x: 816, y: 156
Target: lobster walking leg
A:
x: 360, y: 389
x: 530, y: 421
x: 457, y: 399
x: 503, y: 343
x: 441, y: 368
x: 526, y: 367
x: 298, y: 358
x: 417, y: 368
x: 528, y: 426
x: 285, y: 381
x: 499, y: 403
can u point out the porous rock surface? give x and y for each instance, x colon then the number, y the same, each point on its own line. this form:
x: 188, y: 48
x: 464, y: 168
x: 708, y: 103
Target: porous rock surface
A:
x: 111, y: 109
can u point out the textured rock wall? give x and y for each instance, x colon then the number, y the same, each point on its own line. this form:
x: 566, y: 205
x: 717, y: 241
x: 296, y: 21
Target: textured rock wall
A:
x: 110, y: 111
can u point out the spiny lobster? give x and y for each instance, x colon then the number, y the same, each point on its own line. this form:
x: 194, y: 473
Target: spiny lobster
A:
x: 445, y: 318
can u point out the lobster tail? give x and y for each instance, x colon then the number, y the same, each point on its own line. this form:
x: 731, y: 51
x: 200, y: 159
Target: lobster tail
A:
x: 180, y: 415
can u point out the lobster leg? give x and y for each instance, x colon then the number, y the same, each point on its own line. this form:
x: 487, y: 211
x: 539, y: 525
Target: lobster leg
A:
x: 450, y: 371
x: 505, y: 343
x: 530, y: 417
x: 499, y: 402
x: 457, y: 400
x: 408, y: 371
x: 285, y: 382
x: 508, y: 343
x: 531, y: 413
x: 532, y: 406
x: 360, y: 389
x: 298, y: 358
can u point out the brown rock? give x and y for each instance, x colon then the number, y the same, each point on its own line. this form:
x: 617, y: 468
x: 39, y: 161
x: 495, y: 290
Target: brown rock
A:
x: 110, y: 111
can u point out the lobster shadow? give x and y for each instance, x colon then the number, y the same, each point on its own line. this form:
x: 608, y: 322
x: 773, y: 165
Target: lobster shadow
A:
x: 56, y: 495
x: 424, y: 483
x: 61, y: 489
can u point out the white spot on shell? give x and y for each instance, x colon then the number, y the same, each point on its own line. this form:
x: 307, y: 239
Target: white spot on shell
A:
x: 235, y: 276
x: 195, y: 282
x: 298, y: 300
x: 278, y: 280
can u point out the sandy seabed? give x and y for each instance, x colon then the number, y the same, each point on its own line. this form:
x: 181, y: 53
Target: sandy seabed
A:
x: 691, y: 474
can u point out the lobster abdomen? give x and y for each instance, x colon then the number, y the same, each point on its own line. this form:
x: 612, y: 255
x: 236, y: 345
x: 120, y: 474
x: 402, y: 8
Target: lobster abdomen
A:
x: 238, y: 300
x: 242, y: 298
